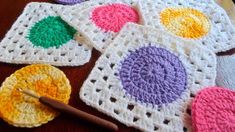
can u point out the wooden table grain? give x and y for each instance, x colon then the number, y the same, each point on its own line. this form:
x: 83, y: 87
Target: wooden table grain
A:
x: 9, y: 11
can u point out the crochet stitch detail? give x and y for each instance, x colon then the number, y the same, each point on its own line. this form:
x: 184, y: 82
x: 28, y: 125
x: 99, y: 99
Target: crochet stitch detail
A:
x: 80, y: 17
x: 153, y: 75
x: 213, y: 110
x: 210, y: 26
x: 51, y: 31
x: 113, y: 17
x: 21, y: 110
x: 225, y: 71
x: 185, y: 22
x: 69, y: 2
x: 16, y: 47
x: 105, y: 91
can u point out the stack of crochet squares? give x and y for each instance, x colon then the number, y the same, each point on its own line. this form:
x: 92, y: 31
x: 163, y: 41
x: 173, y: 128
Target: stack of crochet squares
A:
x: 156, y: 54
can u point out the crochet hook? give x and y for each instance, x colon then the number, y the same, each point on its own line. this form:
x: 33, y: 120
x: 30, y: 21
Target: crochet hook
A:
x: 64, y: 108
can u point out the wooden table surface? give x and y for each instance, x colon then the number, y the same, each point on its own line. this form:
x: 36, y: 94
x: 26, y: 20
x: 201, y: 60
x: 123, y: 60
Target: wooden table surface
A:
x: 9, y: 11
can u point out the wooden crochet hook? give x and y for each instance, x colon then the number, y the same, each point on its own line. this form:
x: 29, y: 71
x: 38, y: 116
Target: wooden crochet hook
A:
x: 64, y: 108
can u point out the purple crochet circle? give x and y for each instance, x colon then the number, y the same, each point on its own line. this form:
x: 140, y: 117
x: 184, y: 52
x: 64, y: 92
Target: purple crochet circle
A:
x: 153, y: 75
x: 69, y: 2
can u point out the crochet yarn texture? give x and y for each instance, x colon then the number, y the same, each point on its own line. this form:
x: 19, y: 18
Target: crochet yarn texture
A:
x: 39, y: 35
x: 69, y: 2
x: 229, y: 7
x: 114, y: 16
x: 129, y: 75
x: 22, y: 110
x: 99, y: 21
x: 225, y: 72
x: 213, y: 110
x: 185, y: 22
x: 51, y: 31
x: 200, y: 21
x: 153, y: 75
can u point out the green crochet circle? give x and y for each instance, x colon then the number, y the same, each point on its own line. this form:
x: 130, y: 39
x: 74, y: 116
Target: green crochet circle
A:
x: 51, y: 31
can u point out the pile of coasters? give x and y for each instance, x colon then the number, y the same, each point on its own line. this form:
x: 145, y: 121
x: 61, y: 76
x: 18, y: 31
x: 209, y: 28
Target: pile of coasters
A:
x: 158, y: 58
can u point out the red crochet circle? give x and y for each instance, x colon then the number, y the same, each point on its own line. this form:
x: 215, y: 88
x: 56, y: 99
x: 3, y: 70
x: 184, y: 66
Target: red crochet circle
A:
x: 213, y: 110
x: 113, y: 17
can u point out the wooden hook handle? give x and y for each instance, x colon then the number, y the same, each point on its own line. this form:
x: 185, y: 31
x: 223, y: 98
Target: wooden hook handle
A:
x: 64, y: 108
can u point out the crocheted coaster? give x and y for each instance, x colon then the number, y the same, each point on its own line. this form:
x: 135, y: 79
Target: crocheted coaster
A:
x: 101, y: 21
x: 148, y: 81
x: 39, y: 35
x: 69, y: 2
x: 22, y: 110
x: 213, y: 110
x: 225, y: 72
x: 203, y: 22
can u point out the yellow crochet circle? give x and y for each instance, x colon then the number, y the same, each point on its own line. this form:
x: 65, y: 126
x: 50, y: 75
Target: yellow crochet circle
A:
x: 22, y: 110
x: 185, y: 22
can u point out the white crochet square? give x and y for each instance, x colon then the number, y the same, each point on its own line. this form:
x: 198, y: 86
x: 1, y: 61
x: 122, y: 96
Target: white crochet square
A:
x: 79, y: 16
x: 220, y: 35
x: 16, y: 47
x: 104, y: 90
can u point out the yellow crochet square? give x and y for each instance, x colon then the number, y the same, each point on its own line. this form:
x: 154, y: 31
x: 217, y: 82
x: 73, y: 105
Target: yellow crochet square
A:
x: 22, y: 110
x: 185, y: 22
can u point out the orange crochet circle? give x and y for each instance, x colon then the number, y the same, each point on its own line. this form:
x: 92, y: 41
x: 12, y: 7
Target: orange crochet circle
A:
x: 22, y: 110
x: 185, y: 22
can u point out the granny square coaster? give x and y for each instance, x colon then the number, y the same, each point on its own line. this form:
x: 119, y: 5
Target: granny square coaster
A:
x: 201, y: 21
x: 148, y: 81
x: 39, y: 35
x: 226, y: 71
x: 213, y: 110
x: 21, y: 110
x: 69, y: 2
x: 100, y: 22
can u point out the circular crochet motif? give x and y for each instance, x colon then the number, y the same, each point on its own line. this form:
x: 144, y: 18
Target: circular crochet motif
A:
x: 153, y: 75
x: 213, y: 109
x: 114, y: 16
x: 51, y: 32
x: 185, y: 22
x: 69, y: 2
x: 22, y: 110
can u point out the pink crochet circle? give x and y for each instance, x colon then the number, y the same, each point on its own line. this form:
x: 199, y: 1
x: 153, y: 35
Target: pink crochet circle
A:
x: 113, y: 17
x: 213, y: 110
